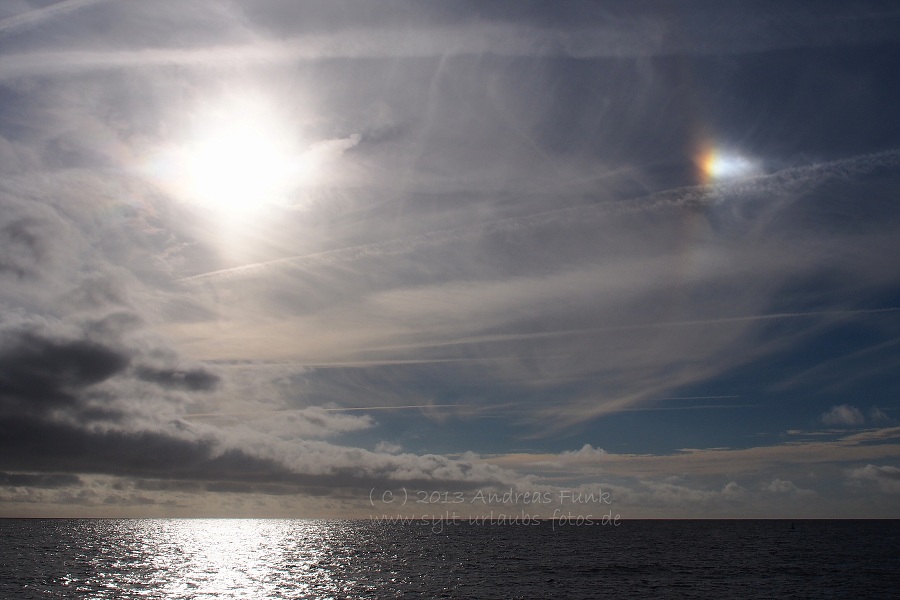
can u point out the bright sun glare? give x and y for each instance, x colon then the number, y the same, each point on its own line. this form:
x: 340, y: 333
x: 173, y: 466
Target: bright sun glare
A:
x: 237, y: 156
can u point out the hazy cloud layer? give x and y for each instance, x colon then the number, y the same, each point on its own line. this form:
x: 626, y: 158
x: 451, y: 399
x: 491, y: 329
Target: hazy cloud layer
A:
x: 265, y: 257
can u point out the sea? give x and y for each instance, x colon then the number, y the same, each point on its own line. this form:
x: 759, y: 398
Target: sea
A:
x: 283, y: 558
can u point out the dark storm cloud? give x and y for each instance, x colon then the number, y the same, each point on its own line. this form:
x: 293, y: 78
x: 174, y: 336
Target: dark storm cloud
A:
x: 33, y: 444
x: 193, y: 463
x: 69, y: 406
x: 68, y: 402
x: 38, y: 480
x: 38, y: 374
x: 197, y: 380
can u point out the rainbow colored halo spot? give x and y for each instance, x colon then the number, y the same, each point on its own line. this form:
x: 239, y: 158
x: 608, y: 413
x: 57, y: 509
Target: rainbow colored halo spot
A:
x: 720, y: 165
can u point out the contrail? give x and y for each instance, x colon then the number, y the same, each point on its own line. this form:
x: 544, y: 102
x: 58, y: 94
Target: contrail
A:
x: 677, y: 197
x: 341, y: 409
x: 600, y: 40
x: 513, y: 337
x: 591, y: 330
x: 42, y: 14
x: 694, y: 407
x: 694, y: 397
x: 486, y: 409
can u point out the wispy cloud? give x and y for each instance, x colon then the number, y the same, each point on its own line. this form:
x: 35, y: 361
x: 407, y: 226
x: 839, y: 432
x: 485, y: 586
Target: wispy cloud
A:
x: 608, y: 35
x: 707, y: 462
x: 36, y: 16
x: 502, y: 238
x: 795, y: 180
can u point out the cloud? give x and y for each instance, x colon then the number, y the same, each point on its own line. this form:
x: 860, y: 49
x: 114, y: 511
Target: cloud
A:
x: 866, y: 445
x: 306, y: 423
x: 796, y: 180
x: 35, y: 17
x: 388, y: 447
x: 192, y: 379
x: 844, y: 415
x: 38, y: 480
x: 876, y: 415
x: 78, y: 405
x: 202, y: 459
x: 587, y: 457
x: 503, y: 238
x: 24, y: 250
x: 88, y: 389
x: 41, y: 374
x: 601, y: 33
x: 683, y: 499
x: 887, y: 477
x: 784, y: 486
x: 586, y: 451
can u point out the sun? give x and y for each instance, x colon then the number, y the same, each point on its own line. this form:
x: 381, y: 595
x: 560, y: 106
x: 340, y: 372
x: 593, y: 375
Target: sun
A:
x: 235, y: 157
x: 238, y: 164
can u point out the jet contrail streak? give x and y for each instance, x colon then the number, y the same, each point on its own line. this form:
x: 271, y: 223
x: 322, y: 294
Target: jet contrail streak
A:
x: 42, y: 14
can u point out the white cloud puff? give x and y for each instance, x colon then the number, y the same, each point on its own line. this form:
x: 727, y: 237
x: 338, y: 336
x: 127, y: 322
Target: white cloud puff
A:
x: 844, y: 415
x: 887, y: 477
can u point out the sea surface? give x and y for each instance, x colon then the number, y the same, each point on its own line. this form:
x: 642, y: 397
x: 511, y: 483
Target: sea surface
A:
x: 263, y: 558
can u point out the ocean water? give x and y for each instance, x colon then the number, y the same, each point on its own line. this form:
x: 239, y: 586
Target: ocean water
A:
x: 262, y: 558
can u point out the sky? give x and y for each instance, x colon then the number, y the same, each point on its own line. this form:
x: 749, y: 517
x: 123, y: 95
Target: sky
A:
x: 345, y: 259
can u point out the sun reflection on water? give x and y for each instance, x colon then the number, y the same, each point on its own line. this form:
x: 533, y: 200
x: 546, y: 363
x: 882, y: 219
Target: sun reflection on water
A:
x: 205, y: 558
